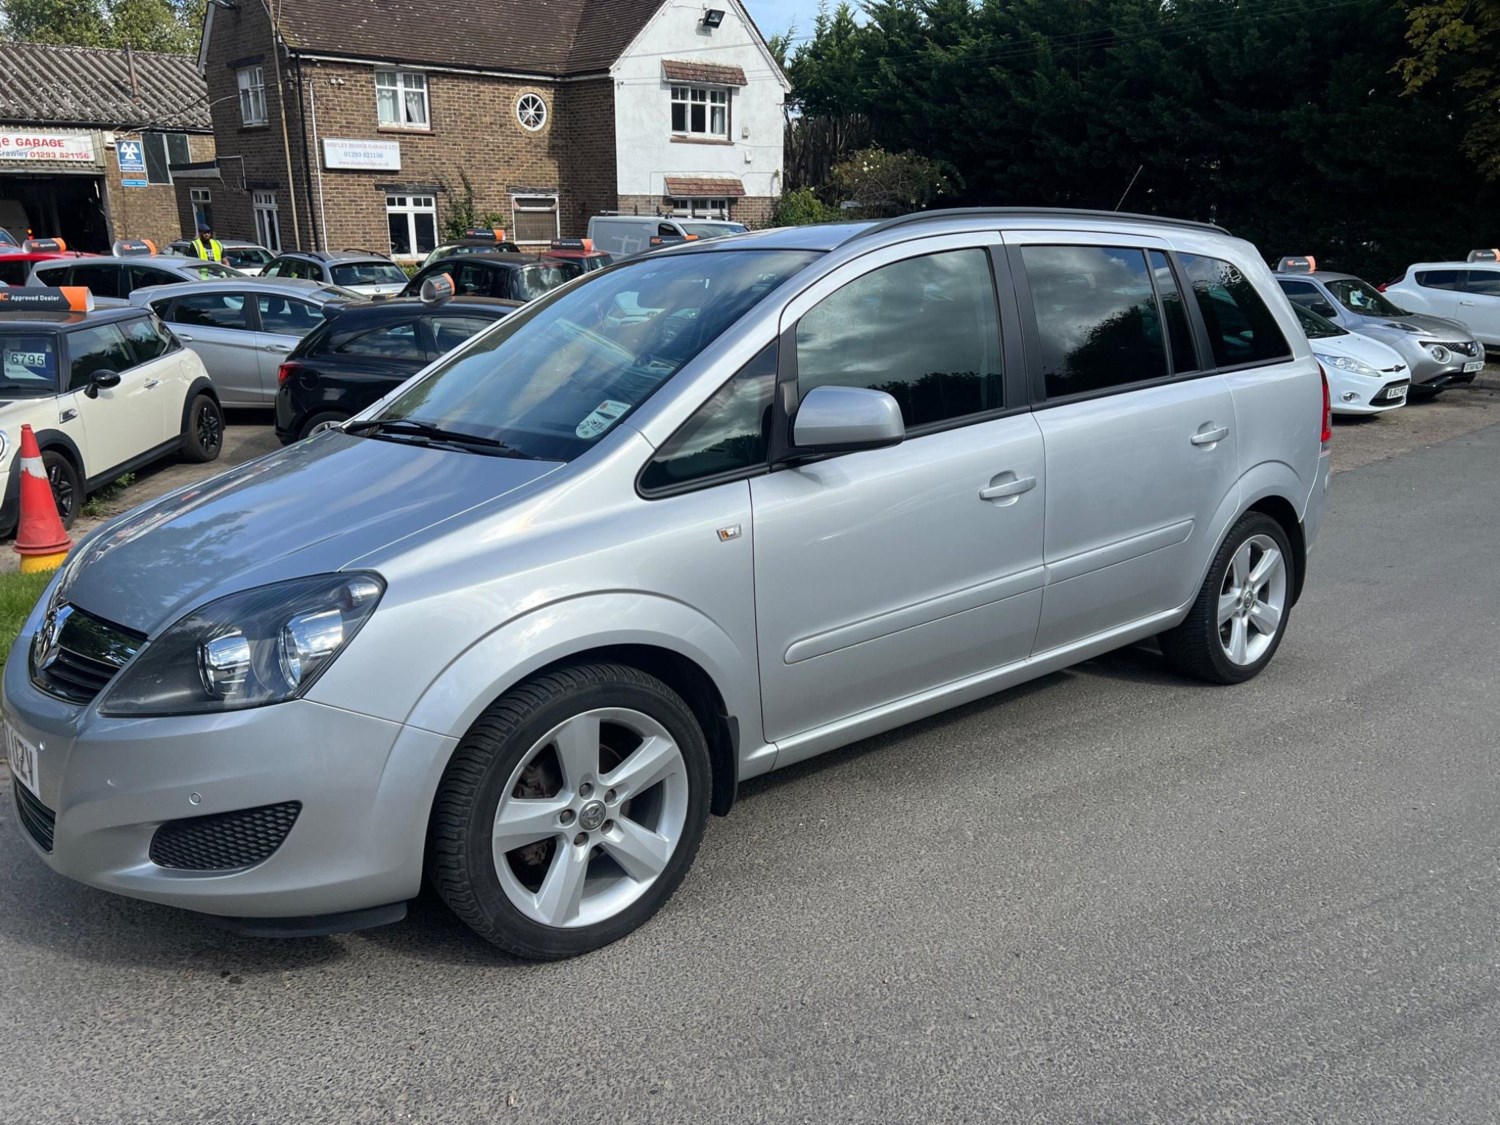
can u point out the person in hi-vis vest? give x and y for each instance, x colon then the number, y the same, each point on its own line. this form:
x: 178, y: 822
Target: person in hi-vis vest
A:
x: 206, y: 246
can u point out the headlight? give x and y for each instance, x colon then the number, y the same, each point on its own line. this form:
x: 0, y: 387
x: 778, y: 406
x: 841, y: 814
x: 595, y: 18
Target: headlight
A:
x: 247, y: 650
x: 1347, y: 363
x: 1438, y: 352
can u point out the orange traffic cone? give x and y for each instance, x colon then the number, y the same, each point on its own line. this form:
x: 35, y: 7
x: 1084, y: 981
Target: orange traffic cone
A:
x: 41, y: 540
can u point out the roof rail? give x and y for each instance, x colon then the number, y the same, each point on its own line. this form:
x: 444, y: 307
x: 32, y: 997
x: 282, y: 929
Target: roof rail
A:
x: 1024, y: 213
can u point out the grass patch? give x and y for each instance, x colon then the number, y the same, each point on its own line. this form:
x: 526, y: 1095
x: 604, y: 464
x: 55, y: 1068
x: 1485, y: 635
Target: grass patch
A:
x: 99, y: 502
x: 18, y: 594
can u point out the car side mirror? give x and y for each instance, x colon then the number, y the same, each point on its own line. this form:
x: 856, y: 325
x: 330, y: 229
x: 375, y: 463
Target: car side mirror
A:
x: 1324, y: 309
x: 844, y: 419
x: 101, y: 379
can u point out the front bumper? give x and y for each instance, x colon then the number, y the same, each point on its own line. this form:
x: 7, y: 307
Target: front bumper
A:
x: 1355, y: 394
x: 110, y: 783
x: 1429, y: 374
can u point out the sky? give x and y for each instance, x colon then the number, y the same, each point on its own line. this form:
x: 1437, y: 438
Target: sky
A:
x: 775, y: 16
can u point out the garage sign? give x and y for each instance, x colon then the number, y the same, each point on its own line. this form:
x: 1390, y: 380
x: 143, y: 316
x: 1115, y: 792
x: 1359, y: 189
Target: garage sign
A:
x: 371, y: 156
x: 66, y: 147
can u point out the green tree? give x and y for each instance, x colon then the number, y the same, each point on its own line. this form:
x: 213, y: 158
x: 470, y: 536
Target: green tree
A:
x: 1458, y: 41
x: 147, y: 25
x: 79, y: 23
x: 889, y: 183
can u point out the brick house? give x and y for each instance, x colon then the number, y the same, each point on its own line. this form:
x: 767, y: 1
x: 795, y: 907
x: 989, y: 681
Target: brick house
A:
x: 361, y: 123
x: 90, y: 140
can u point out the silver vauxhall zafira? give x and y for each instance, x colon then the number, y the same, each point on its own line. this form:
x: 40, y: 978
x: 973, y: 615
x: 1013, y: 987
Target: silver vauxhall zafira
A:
x: 522, y: 625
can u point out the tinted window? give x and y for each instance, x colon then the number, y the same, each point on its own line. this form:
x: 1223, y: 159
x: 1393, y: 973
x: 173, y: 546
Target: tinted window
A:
x: 553, y: 378
x: 469, y: 279
x: 1440, y: 279
x: 1240, y: 326
x: 60, y: 274
x: 532, y: 281
x: 211, y: 310
x: 450, y: 331
x: 1315, y: 327
x: 101, y: 348
x: 394, y: 341
x: 103, y: 280
x: 1096, y: 316
x: 29, y: 363
x: 1303, y: 293
x: 13, y: 272
x: 729, y: 433
x: 148, y: 339
x: 142, y: 276
x: 287, y: 316
x: 1179, y: 335
x: 1485, y: 282
x: 924, y: 330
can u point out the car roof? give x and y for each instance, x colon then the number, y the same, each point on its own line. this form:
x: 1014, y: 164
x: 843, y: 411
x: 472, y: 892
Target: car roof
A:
x: 1453, y: 266
x: 140, y: 259
x: 286, y: 286
x: 37, y: 320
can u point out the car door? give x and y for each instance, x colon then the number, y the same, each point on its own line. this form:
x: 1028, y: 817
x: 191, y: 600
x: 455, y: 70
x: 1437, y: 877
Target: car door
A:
x: 1140, y: 436
x: 163, y: 362
x: 219, y: 327
x: 358, y: 368
x: 122, y: 421
x: 887, y: 573
x: 282, y: 321
x: 1479, y: 305
x: 1438, y: 292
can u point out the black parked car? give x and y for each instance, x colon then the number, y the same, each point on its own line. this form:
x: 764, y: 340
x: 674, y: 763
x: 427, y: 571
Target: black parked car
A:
x: 364, y: 350
x: 510, y: 277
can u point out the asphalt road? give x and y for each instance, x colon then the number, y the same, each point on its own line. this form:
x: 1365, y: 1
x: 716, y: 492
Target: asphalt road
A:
x: 1110, y: 896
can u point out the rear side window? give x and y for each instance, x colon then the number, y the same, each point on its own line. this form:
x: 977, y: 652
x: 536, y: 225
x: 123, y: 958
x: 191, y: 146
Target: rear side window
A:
x: 148, y: 339
x: 102, y: 280
x: 92, y: 350
x: 13, y: 272
x: 211, y: 310
x: 924, y: 330
x: 394, y: 341
x: 730, y: 433
x: 142, y: 276
x: 1440, y: 279
x: 469, y: 280
x: 1240, y: 326
x: 1096, y: 316
x: 287, y: 316
x: 450, y: 331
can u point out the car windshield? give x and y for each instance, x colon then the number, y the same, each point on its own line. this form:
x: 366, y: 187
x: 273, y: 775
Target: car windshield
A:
x: 210, y: 271
x: 369, y: 273
x: 6, y: 238
x: 713, y: 230
x: 1315, y: 327
x: 29, y: 363
x: 544, y: 277
x: 1360, y: 297
x: 553, y: 378
x: 241, y: 257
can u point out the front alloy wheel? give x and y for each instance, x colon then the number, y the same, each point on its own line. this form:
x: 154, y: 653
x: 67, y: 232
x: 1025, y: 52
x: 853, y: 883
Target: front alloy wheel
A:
x: 570, y: 811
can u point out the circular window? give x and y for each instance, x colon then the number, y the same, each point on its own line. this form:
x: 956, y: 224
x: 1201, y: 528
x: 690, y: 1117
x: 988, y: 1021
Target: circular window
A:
x: 531, y: 112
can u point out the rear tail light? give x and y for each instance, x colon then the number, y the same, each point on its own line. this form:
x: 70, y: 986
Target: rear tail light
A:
x: 1327, y: 408
x: 288, y: 371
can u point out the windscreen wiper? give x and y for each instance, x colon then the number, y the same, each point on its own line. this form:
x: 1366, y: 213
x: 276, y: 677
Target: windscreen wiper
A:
x: 404, y: 427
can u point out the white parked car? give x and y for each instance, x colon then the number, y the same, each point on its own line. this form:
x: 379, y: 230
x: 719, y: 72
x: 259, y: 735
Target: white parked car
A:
x: 105, y: 391
x: 1468, y: 292
x: 1364, y: 376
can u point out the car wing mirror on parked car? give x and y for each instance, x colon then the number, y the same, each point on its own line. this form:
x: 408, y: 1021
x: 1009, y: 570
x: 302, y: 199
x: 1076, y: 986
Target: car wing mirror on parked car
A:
x: 1324, y: 309
x: 844, y: 419
x: 101, y: 379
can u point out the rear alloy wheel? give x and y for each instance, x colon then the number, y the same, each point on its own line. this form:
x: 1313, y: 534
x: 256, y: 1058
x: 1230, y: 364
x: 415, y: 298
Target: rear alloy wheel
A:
x: 571, y: 811
x: 203, y: 436
x: 67, y: 488
x: 321, y: 422
x: 1241, y: 612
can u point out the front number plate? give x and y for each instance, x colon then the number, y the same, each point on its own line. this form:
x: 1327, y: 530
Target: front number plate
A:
x: 1473, y: 366
x: 22, y: 758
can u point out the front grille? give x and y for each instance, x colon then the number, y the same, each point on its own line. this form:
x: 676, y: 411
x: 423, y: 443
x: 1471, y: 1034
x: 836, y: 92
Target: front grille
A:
x: 1462, y: 347
x: 80, y: 654
x: 224, y: 841
x: 35, y: 817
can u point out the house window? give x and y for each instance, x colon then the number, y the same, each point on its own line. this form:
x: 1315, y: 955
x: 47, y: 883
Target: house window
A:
x: 536, y: 218
x: 203, y: 207
x: 267, y: 223
x: 413, y: 223
x: 700, y: 111
x: 252, y: 83
x: 701, y: 208
x: 531, y: 112
x: 163, y: 150
x: 401, y: 98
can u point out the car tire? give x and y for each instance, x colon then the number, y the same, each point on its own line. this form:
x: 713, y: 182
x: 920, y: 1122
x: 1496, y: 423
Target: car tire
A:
x: 67, y: 485
x: 1240, y: 615
x: 203, y: 436
x: 319, y: 422
x: 555, y: 768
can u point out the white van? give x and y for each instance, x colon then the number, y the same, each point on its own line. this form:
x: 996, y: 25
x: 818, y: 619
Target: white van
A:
x: 623, y: 235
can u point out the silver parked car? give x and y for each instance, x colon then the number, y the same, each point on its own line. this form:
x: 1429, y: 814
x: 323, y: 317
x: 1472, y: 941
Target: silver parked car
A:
x: 366, y: 273
x: 1439, y: 352
x: 242, y: 328
x: 526, y: 621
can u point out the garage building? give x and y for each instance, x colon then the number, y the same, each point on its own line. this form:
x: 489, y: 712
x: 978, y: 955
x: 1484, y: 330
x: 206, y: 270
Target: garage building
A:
x: 88, y: 138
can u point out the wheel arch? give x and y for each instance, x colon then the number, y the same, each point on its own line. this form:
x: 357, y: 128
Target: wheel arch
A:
x: 1280, y: 509
x: 201, y: 385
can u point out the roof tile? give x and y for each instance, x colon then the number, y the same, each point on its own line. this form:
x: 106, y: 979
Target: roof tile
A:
x: 712, y: 73
x: 705, y: 187
x: 43, y: 83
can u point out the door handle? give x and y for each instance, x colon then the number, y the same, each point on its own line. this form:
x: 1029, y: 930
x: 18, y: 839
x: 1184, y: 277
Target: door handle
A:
x: 184, y: 336
x: 1468, y: 304
x: 275, y: 347
x: 152, y: 383
x: 1006, y: 488
x: 1209, y: 434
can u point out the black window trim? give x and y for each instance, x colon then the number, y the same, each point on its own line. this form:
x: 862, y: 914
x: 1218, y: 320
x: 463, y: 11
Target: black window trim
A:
x: 148, y: 315
x: 68, y: 346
